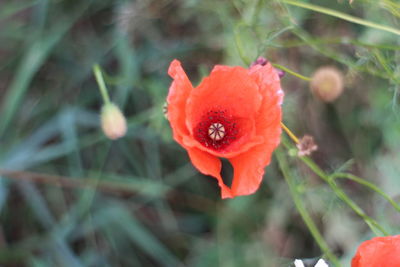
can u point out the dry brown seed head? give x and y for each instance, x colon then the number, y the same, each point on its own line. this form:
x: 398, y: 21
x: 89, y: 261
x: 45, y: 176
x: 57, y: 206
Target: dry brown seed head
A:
x: 306, y: 145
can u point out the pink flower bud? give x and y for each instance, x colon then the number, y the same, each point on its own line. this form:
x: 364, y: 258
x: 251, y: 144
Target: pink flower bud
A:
x: 113, y: 121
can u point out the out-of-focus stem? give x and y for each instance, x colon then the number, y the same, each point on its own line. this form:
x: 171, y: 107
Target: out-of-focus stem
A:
x: 367, y: 184
x: 298, y: 75
x: 374, y: 225
x: 343, y: 16
x: 343, y: 196
x: 302, y: 210
x: 101, y: 83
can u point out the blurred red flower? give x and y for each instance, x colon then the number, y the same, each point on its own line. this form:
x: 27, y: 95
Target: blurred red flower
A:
x: 378, y: 252
x: 235, y: 113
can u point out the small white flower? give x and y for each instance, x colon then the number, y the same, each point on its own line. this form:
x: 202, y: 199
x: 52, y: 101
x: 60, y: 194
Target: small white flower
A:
x: 298, y: 263
x: 321, y: 263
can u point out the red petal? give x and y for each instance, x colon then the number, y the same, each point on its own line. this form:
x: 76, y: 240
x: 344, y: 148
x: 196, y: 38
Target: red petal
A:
x: 209, y: 165
x: 177, y: 97
x: 249, y: 170
x: 249, y: 166
x: 379, y: 251
x: 268, y: 80
x: 270, y: 114
x: 252, y: 97
x: 227, y: 88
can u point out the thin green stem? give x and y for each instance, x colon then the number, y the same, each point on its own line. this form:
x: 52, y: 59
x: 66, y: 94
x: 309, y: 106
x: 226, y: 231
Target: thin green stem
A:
x: 367, y: 184
x: 298, y: 75
x: 316, y: 45
x: 302, y: 210
x: 385, y: 65
x: 337, y: 57
x: 100, y: 81
x: 239, y: 44
x: 343, y: 16
x: 335, y: 41
x: 374, y: 225
x: 343, y: 196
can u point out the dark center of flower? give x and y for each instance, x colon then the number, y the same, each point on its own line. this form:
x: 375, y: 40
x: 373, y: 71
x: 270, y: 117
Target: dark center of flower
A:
x: 216, y: 130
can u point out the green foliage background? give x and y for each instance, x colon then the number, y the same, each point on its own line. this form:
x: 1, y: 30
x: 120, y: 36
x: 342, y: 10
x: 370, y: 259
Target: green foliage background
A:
x: 138, y: 201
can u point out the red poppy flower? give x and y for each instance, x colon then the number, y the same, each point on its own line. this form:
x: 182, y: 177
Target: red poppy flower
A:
x: 378, y: 252
x: 235, y: 113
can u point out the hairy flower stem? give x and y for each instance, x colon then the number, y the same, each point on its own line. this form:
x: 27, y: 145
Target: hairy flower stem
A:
x: 295, y: 194
x: 371, y: 186
x: 374, y: 225
x: 340, y: 15
x: 100, y: 81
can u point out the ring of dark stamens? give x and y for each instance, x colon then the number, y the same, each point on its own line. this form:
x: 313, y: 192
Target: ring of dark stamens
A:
x: 204, y: 131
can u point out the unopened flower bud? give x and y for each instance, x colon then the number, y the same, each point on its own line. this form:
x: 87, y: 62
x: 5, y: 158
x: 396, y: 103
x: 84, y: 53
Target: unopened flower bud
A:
x: 113, y: 122
x: 259, y: 61
x: 327, y: 83
x: 263, y: 61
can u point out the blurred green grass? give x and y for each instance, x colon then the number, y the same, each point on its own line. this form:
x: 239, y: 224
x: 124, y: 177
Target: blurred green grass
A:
x: 138, y: 201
